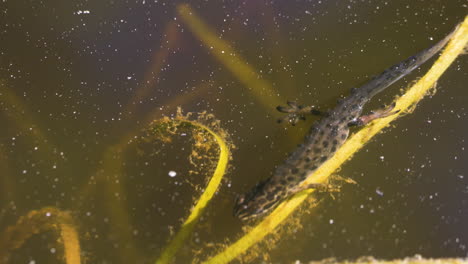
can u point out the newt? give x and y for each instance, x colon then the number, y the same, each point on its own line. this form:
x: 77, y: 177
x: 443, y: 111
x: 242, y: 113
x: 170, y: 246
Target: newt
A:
x: 324, y: 137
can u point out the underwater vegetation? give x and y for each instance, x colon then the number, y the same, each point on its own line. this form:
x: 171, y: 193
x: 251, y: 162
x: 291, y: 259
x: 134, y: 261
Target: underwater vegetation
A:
x: 211, y: 147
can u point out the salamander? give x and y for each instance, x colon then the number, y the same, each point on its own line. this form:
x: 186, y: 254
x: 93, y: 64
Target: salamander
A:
x: 324, y: 137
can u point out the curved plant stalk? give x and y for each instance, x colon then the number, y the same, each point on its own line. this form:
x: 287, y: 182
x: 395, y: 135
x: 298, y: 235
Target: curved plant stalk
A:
x: 356, y: 142
x: 171, y: 248
x: 39, y: 221
x: 16, y: 110
x: 221, y: 50
x: 109, y: 176
x: 121, y: 145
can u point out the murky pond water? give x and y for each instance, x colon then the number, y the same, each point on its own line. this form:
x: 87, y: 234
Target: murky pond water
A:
x: 81, y: 80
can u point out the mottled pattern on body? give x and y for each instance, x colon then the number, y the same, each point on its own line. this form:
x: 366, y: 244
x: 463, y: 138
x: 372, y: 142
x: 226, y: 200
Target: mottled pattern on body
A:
x: 323, y: 139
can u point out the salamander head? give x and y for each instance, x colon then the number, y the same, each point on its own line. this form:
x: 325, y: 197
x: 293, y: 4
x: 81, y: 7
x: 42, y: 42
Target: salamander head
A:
x: 246, y: 208
x: 255, y: 203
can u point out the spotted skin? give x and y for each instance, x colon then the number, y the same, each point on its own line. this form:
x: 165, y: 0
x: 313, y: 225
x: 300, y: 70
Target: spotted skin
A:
x: 324, y: 138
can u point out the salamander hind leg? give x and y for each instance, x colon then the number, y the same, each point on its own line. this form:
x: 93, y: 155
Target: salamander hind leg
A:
x: 381, y: 113
x: 296, y: 112
x: 333, y: 185
x: 319, y: 187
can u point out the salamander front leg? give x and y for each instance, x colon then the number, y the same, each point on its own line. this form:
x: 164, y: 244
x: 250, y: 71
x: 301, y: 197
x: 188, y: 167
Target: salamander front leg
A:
x: 296, y: 112
x: 365, y: 119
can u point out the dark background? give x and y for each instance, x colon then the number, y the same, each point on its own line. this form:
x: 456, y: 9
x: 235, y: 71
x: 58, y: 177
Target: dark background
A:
x: 73, y: 68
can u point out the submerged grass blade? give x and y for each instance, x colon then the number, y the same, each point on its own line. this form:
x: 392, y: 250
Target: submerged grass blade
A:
x: 168, y: 44
x: 245, y: 73
x: 39, y: 221
x: 115, y: 203
x: 171, y: 248
x: 410, y: 98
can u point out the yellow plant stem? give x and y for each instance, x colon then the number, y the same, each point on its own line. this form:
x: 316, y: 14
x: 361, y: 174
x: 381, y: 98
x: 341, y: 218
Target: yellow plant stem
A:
x: 71, y: 243
x: 223, y: 52
x: 187, y: 227
x: 356, y: 142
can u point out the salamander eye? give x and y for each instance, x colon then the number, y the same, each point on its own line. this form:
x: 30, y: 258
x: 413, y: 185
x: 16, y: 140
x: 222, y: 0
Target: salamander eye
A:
x: 240, y: 199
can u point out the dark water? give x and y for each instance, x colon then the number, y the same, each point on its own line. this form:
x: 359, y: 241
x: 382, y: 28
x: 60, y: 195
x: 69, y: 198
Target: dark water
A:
x: 71, y: 72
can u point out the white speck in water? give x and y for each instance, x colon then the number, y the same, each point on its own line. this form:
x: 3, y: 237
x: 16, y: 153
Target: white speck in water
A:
x: 53, y: 250
x: 172, y: 174
x: 48, y: 214
x: 379, y: 192
x: 460, y: 176
x: 81, y: 12
x: 129, y: 77
x: 32, y: 262
x: 382, y: 158
x: 331, y: 221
